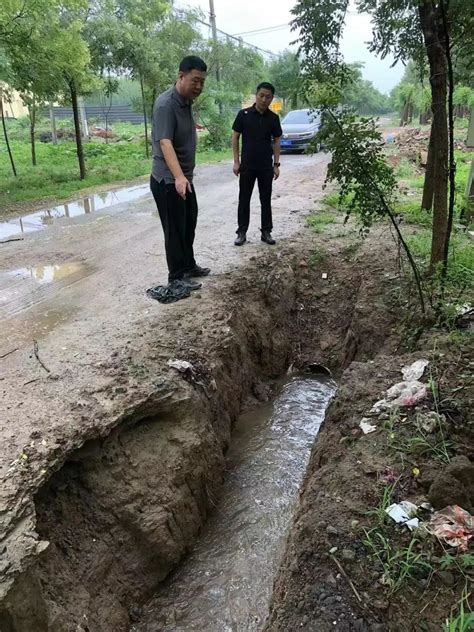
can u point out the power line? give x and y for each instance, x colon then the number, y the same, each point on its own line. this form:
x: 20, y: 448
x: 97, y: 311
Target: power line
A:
x: 234, y: 37
x: 265, y: 29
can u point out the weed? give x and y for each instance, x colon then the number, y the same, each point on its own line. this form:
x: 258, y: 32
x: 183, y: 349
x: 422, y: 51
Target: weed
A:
x: 318, y: 221
x: 385, y: 501
x: 400, y: 564
x: 412, y: 213
x: 422, y: 443
x: 405, y: 169
x: 463, y: 620
x: 317, y: 258
x: 464, y: 562
x: 350, y: 250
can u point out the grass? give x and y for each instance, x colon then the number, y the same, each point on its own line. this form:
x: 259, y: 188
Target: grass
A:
x: 317, y: 258
x: 400, y: 563
x: 318, y: 221
x: 56, y: 175
x: 463, y: 619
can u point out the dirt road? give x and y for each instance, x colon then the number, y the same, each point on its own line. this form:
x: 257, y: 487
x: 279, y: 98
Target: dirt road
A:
x: 77, y: 288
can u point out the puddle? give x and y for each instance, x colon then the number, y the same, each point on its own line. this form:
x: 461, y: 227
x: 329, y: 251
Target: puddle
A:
x: 84, y: 206
x: 225, y: 584
x: 49, y: 273
x: 24, y: 287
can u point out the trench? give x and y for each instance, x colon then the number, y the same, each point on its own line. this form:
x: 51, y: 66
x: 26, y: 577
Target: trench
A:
x: 225, y: 584
x: 119, y: 518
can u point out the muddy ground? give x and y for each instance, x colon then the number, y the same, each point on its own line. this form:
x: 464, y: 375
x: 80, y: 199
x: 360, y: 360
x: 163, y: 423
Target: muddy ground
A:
x: 112, y: 459
x: 95, y: 389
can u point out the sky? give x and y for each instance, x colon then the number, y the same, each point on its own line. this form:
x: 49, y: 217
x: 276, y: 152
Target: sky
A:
x: 239, y: 16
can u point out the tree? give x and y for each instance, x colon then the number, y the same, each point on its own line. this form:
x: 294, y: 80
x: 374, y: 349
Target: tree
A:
x: 409, y: 30
x: 285, y: 74
x: 122, y: 37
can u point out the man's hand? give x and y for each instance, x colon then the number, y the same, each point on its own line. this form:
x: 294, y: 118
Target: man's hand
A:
x: 276, y: 173
x: 236, y: 168
x: 182, y: 186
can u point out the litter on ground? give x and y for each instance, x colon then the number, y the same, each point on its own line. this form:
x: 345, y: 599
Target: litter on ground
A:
x: 454, y: 525
x: 410, y: 392
x: 366, y: 427
x: 404, y: 513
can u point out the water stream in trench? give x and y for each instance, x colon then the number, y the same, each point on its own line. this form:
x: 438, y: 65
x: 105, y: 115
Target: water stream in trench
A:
x: 225, y: 584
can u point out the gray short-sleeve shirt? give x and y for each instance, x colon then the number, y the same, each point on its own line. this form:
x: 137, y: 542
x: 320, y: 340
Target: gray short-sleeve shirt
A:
x: 173, y: 119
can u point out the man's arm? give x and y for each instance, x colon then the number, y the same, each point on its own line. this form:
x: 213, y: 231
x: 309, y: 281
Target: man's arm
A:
x: 235, y: 152
x: 181, y: 183
x: 276, y: 157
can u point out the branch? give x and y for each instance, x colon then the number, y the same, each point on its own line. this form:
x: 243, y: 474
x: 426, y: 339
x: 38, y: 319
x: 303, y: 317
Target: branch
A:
x: 386, y: 207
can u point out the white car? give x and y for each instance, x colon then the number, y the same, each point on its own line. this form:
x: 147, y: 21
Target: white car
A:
x: 299, y: 129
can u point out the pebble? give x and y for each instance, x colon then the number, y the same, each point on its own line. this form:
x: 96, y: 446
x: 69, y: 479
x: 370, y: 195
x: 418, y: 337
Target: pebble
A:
x: 447, y: 578
x: 380, y: 604
x: 348, y: 554
x: 332, y: 530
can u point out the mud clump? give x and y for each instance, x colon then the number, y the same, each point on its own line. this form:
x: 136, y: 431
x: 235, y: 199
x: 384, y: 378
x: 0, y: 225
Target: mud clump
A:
x: 454, y: 485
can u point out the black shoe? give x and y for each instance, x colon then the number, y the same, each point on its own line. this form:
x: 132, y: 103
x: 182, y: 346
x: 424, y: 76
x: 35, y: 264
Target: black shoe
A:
x: 197, y: 271
x: 241, y: 239
x: 187, y: 284
x: 267, y: 237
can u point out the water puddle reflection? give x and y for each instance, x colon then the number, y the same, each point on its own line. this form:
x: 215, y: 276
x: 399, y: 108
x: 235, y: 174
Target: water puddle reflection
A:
x: 49, y: 273
x: 85, y: 206
x: 24, y: 287
x: 225, y: 584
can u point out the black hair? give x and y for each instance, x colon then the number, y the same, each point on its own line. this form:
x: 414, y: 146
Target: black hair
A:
x: 191, y: 62
x: 266, y: 86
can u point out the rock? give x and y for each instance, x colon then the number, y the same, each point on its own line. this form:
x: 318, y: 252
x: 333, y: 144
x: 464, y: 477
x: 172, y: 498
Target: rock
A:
x: 348, y: 555
x: 135, y: 613
x: 447, y: 578
x: 454, y: 485
x: 331, y: 530
x: 380, y: 604
x: 331, y: 580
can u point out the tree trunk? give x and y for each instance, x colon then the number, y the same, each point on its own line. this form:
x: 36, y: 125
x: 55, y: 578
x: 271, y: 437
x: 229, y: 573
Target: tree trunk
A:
x: 144, y: 117
x: 428, y: 186
x: 77, y: 129
x: 404, y: 118
x: 32, y: 113
x: 52, y: 119
x: 452, y: 162
x: 12, y: 162
x: 431, y: 24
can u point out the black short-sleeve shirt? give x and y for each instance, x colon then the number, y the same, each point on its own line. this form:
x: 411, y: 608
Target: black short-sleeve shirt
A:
x: 257, y: 132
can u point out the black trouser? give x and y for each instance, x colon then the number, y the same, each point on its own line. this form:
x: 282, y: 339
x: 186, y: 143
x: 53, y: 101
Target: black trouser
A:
x: 178, y: 218
x: 246, y: 184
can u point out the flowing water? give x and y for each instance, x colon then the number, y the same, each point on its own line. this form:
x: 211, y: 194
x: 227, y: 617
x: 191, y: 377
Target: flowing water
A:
x: 225, y: 584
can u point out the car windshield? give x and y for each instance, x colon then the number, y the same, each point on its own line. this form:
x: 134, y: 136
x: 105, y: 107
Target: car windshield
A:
x: 300, y: 117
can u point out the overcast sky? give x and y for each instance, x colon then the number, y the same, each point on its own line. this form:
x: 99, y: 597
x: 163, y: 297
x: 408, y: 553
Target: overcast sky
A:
x: 240, y: 16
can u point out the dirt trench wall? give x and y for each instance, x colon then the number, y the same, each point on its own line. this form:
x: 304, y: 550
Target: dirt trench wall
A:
x: 124, y: 509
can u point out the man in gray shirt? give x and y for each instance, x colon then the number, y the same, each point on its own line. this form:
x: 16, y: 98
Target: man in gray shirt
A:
x: 171, y: 182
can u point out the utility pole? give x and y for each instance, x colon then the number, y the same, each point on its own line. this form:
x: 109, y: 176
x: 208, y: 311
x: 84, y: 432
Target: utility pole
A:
x: 52, y: 118
x: 212, y: 16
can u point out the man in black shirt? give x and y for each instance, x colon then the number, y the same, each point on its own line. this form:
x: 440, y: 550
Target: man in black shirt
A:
x: 260, y: 161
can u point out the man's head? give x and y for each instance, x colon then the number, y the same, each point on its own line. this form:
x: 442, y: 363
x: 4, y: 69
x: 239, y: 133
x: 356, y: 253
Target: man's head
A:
x: 264, y: 95
x: 191, y: 77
